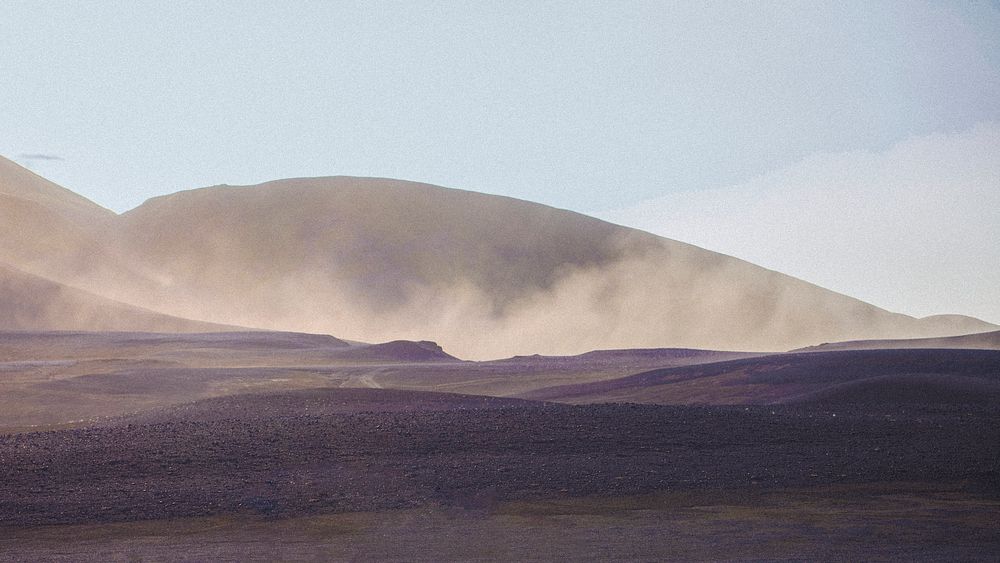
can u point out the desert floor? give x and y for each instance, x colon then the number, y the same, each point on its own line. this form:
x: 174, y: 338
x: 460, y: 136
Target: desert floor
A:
x: 295, y: 447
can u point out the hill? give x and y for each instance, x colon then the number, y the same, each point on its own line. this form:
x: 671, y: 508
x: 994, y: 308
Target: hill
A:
x: 396, y: 351
x: 378, y: 260
x: 58, y: 267
x: 486, y: 276
x: 29, y: 302
x: 17, y: 182
x: 885, y: 376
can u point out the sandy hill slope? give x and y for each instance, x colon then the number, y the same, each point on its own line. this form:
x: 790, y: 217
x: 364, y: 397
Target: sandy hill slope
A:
x: 29, y: 302
x: 485, y: 276
x: 958, y: 325
x: 58, y: 267
x: 49, y: 231
x: 20, y: 183
x: 378, y: 260
x: 44, y: 227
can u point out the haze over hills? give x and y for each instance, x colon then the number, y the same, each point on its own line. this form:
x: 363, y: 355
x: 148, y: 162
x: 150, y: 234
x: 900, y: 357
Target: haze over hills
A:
x: 377, y: 260
x: 51, y: 232
x: 29, y: 302
x: 42, y: 225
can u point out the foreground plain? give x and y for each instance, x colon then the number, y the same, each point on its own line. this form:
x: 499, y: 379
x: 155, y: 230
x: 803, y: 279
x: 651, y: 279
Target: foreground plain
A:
x: 907, y: 522
x: 263, y: 446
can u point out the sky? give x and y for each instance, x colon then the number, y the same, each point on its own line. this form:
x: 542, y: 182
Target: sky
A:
x: 607, y: 108
x: 914, y: 228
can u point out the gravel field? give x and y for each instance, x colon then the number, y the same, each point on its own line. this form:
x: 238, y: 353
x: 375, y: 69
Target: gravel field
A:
x: 298, y: 454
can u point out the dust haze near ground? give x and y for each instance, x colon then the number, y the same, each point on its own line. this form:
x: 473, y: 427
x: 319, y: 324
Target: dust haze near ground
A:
x: 49, y: 379
x: 31, y: 302
x: 377, y: 260
x: 485, y: 276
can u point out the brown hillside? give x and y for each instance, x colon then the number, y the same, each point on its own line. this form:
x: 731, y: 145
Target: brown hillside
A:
x: 29, y: 302
x: 485, y: 276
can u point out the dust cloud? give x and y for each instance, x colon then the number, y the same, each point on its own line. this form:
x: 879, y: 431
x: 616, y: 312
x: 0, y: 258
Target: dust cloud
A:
x: 377, y: 260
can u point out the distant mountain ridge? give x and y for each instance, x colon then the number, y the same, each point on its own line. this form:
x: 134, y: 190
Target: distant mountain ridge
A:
x: 376, y: 260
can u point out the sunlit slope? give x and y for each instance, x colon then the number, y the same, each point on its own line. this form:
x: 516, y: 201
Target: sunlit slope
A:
x: 58, y: 266
x: 21, y: 183
x: 44, y: 227
x: 29, y: 302
x: 54, y: 233
x: 485, y: 276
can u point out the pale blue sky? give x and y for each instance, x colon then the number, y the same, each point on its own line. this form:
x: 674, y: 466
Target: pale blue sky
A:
x: 584, y: 105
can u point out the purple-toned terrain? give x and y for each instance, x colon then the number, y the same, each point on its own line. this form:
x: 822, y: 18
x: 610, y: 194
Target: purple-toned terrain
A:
x: 201, y: 446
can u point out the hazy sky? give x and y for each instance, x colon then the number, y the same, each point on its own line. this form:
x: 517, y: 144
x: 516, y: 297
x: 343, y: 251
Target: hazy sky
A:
x: 914, y: 228
x: 591, y: 106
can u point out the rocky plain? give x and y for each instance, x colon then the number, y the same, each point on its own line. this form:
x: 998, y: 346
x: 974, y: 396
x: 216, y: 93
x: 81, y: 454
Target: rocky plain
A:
x: 246, y: 446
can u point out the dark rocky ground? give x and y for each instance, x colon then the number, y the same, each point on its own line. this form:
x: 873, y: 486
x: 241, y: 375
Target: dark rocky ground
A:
x: 309, y: 453
x: 880, y: 522
x: 922, y: 376
x: 279, y: 448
